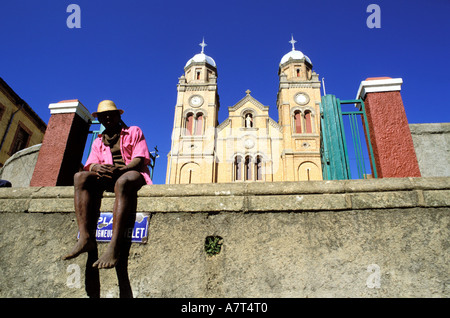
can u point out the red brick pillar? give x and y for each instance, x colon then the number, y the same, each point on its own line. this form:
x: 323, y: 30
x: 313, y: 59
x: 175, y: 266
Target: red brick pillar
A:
x: 390, y: 136
x: 63, y: 145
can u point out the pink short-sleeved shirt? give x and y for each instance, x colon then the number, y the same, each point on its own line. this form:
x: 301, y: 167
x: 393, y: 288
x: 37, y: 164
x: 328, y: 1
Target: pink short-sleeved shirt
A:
x: 132, y: 145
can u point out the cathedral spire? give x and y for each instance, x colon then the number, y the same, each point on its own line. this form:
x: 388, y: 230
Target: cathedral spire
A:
x: 201, y: 57
x: 292, y: 41
x: 203, y: 44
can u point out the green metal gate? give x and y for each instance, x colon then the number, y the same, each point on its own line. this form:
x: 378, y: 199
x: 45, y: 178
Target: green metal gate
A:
x: 339, y: 156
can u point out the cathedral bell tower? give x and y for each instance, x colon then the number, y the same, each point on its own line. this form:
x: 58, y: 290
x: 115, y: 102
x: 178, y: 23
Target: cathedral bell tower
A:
x: 195, y: 120
x: 298, y: 104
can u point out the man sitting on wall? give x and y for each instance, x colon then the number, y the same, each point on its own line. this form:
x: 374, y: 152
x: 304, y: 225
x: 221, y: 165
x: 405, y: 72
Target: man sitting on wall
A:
x: 117, y: 163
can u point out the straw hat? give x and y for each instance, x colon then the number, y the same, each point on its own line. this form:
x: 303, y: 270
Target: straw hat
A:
x: 106, y: 106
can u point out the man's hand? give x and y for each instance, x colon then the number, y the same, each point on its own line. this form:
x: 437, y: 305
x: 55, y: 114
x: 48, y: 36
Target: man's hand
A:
x: 104, y: 171
x: 110, y: 171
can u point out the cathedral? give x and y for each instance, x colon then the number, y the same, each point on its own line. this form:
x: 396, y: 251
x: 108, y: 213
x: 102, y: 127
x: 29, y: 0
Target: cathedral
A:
x: 248, y: 146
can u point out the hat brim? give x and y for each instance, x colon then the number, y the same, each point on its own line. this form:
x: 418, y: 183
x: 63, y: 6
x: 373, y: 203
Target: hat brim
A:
x: 96, y: 113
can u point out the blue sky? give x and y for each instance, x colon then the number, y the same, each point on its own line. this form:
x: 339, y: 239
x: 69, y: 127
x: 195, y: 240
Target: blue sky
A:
x: 134, y: 51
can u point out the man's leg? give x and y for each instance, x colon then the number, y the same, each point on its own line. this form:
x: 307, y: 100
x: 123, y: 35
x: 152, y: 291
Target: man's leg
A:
x: 87, y: 199
x: 126, y: 189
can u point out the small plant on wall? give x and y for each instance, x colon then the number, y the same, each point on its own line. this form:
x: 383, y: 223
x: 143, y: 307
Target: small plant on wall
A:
x: 213, y: 245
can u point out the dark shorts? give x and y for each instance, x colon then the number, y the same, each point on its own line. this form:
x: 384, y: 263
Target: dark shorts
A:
x: 108, y: 184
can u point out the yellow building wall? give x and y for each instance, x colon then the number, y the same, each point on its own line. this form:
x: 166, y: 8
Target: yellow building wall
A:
x: 262, y: 139
x: 210, y: 158
x: 14, y: 116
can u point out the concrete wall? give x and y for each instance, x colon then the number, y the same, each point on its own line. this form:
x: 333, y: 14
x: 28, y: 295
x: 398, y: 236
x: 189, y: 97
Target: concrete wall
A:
x: 356, y: 238
x: 18, y: 169
x: 432, y: 145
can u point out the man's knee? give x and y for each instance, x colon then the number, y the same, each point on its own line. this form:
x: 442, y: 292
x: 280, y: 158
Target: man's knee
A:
x: 128, y: 183
x: 81, y: 178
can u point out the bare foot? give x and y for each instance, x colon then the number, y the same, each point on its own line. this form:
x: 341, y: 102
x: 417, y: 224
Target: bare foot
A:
x: 109, y: 259
x: 83, y: 245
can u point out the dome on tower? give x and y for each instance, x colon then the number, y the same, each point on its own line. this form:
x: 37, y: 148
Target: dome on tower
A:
x: 201, y: 57
x: 294, y: 54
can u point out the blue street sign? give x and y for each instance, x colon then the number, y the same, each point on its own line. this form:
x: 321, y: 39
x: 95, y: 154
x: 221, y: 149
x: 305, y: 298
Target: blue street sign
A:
x: 138, y: 234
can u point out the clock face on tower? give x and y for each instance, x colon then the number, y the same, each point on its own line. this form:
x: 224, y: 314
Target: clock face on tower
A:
x: 301, y: 98
x: 196, y: 101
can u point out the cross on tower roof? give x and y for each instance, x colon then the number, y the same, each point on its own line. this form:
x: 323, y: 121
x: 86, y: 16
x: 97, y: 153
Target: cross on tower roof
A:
x: 203, y: 44
x: 292, y: 41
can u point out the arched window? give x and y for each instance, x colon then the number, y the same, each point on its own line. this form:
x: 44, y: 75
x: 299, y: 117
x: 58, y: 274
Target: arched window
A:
x: 298, y: 122
x: 194, y: 124
x: 199, y: 124
x: 248, y: 169
x: 237, y: 168
x: 258, y: 168
x: 308, y: 123
x: 189, y: 124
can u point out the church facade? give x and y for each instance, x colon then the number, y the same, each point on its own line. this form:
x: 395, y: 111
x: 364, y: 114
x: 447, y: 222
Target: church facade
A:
x: 248, y: 146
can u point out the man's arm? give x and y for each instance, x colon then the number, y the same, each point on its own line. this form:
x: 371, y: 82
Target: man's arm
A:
x: 136, y: 164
